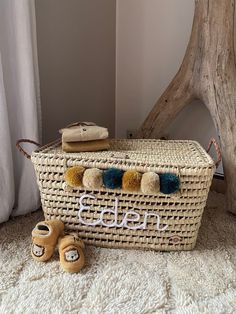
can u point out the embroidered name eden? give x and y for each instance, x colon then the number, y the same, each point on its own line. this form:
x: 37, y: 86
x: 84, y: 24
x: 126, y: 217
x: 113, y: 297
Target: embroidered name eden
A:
x: 129, y: 217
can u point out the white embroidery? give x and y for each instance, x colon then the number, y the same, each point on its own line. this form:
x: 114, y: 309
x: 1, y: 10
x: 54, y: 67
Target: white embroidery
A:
x: 82, y: 208
x: 130, y: 216
x: 114, y: 224
x: 158, y: 221
x: 126, y: 220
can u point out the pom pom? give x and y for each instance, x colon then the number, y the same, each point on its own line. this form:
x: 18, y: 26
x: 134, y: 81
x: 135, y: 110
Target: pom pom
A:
x: 73, y: 176
x: 169, y: 183
x: 112, y: 178
x: 131, y: 180
x: 150, y: 183
x: 92, y: 178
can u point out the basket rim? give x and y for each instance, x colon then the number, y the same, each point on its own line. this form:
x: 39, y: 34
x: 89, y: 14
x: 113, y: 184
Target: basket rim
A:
x: 206, y: 160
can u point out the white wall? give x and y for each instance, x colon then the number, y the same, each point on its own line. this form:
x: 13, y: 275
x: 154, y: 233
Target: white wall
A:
x: 151, y: 40
x: 152, y: 36
x: 76, y: 49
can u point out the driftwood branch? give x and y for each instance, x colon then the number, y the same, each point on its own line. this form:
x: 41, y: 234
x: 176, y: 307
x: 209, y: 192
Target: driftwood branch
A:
x: 207, y: 73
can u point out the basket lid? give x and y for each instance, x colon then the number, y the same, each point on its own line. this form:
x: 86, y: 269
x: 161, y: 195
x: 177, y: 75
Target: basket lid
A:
x: 141, y: 154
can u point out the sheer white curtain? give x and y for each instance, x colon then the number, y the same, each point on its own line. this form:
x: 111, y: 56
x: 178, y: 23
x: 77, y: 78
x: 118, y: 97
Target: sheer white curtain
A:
x: 19, y: 106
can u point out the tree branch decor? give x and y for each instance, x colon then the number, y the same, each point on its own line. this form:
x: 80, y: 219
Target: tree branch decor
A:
x: 207, y: 73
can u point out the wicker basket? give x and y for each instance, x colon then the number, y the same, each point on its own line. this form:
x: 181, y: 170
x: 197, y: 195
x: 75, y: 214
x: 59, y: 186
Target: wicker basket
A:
x: 178, y: 216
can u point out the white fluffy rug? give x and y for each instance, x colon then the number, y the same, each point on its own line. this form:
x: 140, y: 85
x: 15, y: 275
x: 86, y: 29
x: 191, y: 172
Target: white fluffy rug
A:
x: 124, y: 281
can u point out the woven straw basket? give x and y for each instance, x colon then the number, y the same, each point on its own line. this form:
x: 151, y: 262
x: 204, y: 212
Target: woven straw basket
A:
x: 178, y: 215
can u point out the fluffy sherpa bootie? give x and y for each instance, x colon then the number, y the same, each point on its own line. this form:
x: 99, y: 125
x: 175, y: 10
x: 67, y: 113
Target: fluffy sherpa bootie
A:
x: 44, y: 239
x: 71, y: 253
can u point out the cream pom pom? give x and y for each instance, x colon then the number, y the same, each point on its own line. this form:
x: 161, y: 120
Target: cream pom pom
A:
x: 92, y: 178
x: 150, y: 183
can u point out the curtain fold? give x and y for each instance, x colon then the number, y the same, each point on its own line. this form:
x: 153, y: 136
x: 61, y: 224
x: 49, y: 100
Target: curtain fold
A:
x: 20, y: 115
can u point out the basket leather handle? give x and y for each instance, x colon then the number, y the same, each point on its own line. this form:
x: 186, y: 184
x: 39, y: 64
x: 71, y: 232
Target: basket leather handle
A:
x: 218, y: 151
x: 23, y: 140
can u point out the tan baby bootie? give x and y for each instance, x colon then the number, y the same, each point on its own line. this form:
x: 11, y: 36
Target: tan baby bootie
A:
x: 71, y: 253
x: 44, y: 239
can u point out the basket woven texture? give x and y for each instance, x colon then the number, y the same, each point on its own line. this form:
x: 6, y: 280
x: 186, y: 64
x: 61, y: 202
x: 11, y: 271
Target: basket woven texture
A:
x: 181, y: 211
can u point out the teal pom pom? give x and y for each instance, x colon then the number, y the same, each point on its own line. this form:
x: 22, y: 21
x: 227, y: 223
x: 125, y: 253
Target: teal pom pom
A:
x: 112, y: 178
x: 169, y: 183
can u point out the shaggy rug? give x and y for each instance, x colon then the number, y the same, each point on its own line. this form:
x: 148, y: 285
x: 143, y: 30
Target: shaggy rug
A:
x: 124, y: 281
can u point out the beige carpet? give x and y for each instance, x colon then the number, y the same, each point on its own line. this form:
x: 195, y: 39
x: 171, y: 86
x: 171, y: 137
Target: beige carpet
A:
x: 122, y: 281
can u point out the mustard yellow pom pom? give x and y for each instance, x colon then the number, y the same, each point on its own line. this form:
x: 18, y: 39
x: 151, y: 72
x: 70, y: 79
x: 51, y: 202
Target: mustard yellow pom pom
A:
x: 131, y: 181
x: 150, y: 183
x: 92, y: 178
x: 74, y: 175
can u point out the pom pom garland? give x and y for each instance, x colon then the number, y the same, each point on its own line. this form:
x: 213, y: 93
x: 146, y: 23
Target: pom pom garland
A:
x: 112, y: 178
x: 169, y: 183
x: 150, y: 183
x: 74, y: 175
x: 131, y: 181
x: 92, y: 178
